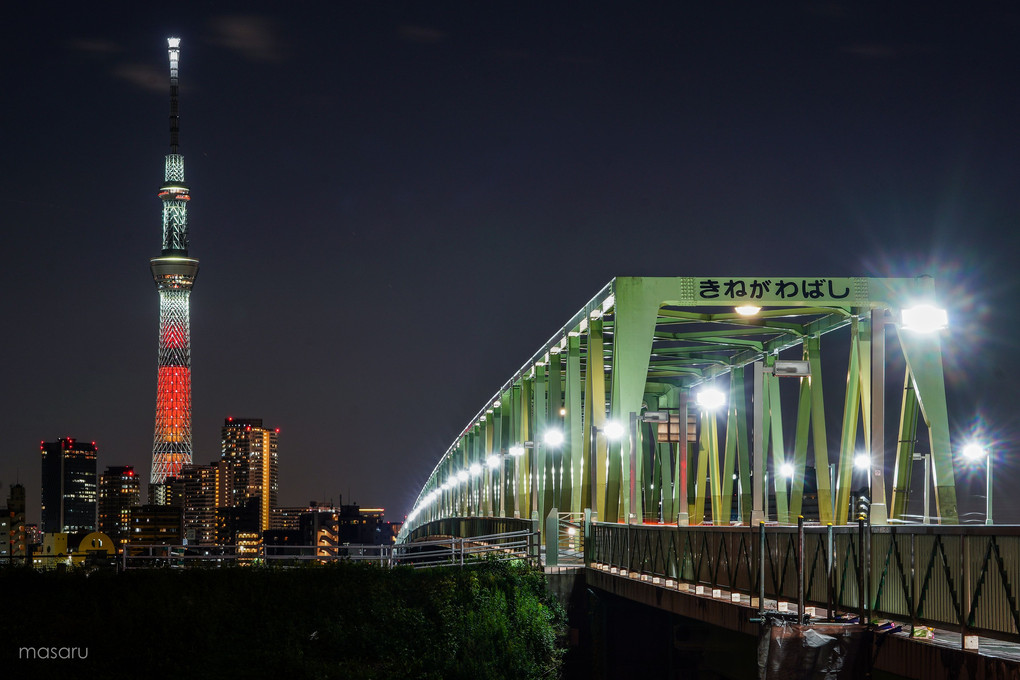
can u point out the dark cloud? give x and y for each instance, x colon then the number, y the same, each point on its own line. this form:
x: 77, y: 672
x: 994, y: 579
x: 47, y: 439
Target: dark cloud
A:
x: 145, y: 76
x: 251, y: 36
x: 94, y: 46
x: 421, y: 34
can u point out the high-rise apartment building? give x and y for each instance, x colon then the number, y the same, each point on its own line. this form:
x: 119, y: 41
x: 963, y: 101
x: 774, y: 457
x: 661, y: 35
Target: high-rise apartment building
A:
x: 68, y: 486
x: 119, y: 489
x: 250, y: 452
x: 199, y: 490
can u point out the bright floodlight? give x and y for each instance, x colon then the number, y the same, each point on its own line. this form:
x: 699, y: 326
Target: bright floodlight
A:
x: 492, y: 461
x: 517, y: 450
x: 613, y: 430
x: 925, y: 319
x: 974, y: 451
x: 173, y: 42
x: 462, y: 476
x: 786, y: 469
x: 553, y: 437
x: 747, y: 310
x: 475, y: 469
x: 862, y: 461
x: 710, y: 398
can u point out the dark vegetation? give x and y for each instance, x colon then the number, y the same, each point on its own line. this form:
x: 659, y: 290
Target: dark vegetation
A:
x: 493, y: 620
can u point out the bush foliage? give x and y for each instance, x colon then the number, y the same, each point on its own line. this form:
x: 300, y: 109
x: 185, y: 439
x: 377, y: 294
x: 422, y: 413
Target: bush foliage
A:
x: 494, y: 620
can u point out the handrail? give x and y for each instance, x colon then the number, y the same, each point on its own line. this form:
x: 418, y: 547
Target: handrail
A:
x: 958, y: 578
x: 512, y: 545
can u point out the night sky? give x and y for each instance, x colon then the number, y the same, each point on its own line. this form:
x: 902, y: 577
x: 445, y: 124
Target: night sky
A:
x: 396, y: 204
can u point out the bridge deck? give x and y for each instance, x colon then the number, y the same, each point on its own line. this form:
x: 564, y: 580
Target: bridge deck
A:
x: 899, y: 653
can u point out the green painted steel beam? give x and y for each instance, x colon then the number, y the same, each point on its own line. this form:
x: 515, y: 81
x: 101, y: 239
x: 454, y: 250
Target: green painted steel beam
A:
x: 923, y: 354
x: 716, y: 340
x: 848, y: 437
x: 574, y: 466
x: 905, y: 447
x: 679, y: 331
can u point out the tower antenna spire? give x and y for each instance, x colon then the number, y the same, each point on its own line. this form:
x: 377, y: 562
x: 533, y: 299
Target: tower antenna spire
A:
x: 174, y: 273
x: 174, y: 45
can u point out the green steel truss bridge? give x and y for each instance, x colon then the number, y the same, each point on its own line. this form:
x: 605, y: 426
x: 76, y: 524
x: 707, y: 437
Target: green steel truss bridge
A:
x: 701, y: 400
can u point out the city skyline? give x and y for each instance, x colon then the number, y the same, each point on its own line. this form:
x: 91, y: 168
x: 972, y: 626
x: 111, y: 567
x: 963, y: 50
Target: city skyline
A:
x: 398, y: 205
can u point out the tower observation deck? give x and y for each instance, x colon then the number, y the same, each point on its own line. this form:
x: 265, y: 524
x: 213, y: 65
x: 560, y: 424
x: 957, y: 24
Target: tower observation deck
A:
x: 174, y: 273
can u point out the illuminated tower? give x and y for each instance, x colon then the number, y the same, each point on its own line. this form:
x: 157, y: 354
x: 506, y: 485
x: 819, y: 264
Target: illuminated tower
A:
x: 174, y: 273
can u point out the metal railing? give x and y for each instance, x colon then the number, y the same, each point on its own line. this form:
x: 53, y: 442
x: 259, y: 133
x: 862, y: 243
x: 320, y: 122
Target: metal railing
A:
x: 953, y: 577
x: 437, y: 551
x: 564, y: 539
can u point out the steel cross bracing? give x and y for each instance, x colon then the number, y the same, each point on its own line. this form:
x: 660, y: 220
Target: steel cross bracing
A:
x: 649, y: 345
x: 955, y: 578
x: 174, y: 273
x: 171, y: 447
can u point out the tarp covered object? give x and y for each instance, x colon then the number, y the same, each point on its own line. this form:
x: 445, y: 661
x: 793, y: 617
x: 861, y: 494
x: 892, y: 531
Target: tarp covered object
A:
x: 818, y: 651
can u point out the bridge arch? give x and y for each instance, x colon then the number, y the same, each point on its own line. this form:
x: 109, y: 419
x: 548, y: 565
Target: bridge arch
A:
x: 634, y: 360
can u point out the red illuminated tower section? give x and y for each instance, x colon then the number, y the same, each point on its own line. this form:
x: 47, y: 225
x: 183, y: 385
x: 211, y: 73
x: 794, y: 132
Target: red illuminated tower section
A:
x: 174, y: 273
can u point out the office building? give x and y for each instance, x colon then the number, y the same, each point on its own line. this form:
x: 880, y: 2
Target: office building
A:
x: 68, y: 486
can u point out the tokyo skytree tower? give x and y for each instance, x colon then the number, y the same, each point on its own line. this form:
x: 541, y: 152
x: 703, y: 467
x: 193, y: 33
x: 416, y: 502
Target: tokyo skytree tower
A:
x: 174, y: 273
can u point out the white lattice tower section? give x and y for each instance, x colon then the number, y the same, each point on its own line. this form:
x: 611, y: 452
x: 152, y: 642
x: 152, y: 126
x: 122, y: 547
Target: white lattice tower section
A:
x: 174, y: 273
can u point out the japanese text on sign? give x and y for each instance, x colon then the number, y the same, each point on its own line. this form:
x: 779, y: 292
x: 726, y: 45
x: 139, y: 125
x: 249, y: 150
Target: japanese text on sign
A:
x: 737, y: 289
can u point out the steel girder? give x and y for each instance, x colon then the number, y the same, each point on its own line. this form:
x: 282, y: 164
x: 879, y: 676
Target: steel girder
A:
x: 651, y: 344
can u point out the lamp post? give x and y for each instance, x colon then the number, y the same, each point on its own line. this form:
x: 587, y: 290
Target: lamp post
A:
x: 786, y: 472
x: 516, y: 451
x: 975, y: 452
x: 494, y: 489
x: 862, y: 461
x: 779, y: 369
x: 553, y: 438
x: 635, y: 418
x: 923, y: 318
x: 612, y: 431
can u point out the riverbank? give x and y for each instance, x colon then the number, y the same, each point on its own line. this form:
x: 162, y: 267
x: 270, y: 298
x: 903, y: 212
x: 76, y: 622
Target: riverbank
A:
x: 493, y: 620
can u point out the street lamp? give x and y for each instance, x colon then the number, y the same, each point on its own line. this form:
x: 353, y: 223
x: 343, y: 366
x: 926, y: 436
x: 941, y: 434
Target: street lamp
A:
x: 862, y: 461
x: 710, y: 398
x: 924, y: 318
x: 553, y: 437
x: 635, y: 418
x: 611, y: 430
x: 975, y: 452
x: 786, y: 471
